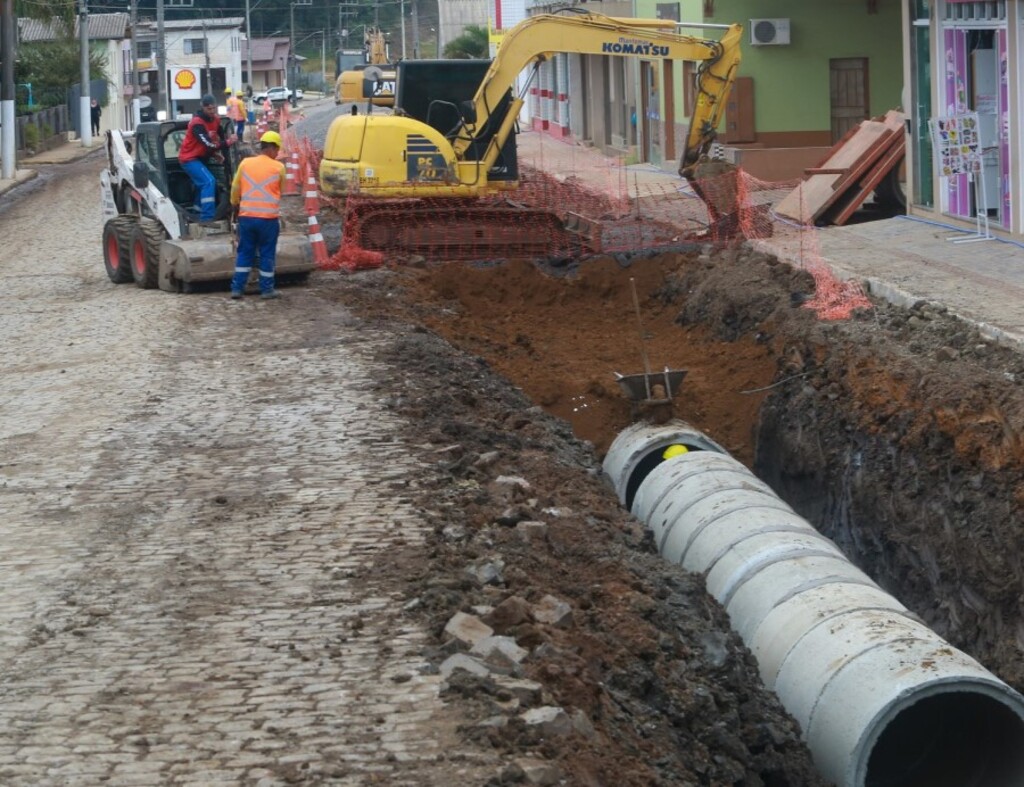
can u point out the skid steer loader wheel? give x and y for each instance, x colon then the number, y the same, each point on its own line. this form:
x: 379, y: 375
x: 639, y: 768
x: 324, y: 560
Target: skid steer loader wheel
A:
x: 117, y: 237
x: 145, y: 252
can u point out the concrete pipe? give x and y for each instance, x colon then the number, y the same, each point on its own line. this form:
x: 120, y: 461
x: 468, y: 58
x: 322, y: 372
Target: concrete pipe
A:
x: 880, y: 698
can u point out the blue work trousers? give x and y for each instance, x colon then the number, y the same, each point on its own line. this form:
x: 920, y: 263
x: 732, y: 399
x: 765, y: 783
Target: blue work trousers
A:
x: 206, y: 185
x: 256, y: 236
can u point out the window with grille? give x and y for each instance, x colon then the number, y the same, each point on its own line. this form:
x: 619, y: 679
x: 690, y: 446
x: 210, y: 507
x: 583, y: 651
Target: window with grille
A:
x: 668, y: 11
x: 976, y: 11
x: 144, y: 50
x: 195, y: 46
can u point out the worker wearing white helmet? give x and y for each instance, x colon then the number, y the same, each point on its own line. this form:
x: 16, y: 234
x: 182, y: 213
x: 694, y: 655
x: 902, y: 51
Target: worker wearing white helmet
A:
x: 256, y: 193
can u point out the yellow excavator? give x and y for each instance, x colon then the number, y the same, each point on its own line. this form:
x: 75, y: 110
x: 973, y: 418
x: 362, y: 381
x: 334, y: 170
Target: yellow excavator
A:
x: 348, y: 88
x: 403, y: 159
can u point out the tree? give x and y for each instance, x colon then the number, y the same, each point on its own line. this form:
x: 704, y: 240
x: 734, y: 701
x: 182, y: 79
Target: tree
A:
x: 471, y: 45
x: 63, y: 10
x: 50, y: 66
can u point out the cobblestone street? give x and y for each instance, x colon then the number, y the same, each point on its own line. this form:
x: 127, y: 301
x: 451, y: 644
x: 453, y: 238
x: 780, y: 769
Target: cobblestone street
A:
x: 189, y: 532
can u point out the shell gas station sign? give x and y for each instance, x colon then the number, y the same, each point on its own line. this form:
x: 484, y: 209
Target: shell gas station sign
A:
x: 185, y: 84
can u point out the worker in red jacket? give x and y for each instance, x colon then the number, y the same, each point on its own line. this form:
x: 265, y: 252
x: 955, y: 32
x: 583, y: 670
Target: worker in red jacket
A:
x: 202, y: 143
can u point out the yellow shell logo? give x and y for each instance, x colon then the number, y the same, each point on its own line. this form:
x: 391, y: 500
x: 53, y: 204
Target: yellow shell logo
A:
x: 185, y: 79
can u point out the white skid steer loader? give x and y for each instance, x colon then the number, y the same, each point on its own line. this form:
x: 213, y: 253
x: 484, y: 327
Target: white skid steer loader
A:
x: 151, y: 229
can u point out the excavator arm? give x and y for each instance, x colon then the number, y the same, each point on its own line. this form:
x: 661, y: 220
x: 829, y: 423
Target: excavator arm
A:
x: 537, y: 38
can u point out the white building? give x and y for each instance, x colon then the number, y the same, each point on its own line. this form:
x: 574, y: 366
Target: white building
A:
x: 202, y: 56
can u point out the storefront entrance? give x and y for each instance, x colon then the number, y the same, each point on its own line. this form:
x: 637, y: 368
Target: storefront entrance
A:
x: 975, y: 79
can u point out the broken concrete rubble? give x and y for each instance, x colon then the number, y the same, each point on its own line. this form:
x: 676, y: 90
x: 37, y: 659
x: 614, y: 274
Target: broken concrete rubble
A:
x: 548, y: 721
x: 467, y: 629
x: 553, y: 611
x: 500, y: 654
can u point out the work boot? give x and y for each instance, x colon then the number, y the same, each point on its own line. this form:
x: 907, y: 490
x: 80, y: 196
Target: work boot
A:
x: 236, y: 295
x: 270, y: 295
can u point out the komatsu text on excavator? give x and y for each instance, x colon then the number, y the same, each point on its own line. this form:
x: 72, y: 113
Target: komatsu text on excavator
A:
x: 444, y: 160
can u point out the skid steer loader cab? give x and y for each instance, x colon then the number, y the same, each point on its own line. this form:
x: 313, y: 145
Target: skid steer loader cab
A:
x: 157, y: 147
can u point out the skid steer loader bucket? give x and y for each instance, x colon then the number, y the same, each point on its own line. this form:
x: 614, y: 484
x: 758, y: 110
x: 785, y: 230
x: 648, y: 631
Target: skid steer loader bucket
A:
x: 187, y: 262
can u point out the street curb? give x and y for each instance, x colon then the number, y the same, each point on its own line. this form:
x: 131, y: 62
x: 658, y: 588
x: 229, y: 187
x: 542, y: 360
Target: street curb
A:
x: 23, y: 176
x: 47, y: 159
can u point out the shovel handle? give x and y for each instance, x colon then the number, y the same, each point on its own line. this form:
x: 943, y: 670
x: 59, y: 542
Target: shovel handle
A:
x: 640, y: 328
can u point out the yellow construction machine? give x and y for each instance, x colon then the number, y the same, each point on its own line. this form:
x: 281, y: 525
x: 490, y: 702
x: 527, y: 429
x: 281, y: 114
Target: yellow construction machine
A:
x: 348, y: 88
x: 404, y: 157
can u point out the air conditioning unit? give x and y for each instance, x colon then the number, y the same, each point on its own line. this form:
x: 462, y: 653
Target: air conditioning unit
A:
x: 769, y: 31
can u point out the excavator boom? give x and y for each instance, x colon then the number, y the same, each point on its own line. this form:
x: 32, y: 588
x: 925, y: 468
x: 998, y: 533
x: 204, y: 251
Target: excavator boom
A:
x: 537, y: 38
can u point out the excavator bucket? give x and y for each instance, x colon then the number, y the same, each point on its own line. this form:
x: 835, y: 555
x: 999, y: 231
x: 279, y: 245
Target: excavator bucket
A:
x: 212, y: 258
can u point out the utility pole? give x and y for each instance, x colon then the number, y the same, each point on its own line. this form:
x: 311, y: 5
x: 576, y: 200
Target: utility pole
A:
x: 327, y: 37
x: 136, y: 103
x: 294, y: 55
x: 323, y: 59
x: 248, y: 45
x: 441, y: 41
x: 402, y: 11
x: 161, y: 60
x: 291, y: 44
x: 8, y: 165
x: 84, y: 118
x: 415, y: 31
x: 206, y: 51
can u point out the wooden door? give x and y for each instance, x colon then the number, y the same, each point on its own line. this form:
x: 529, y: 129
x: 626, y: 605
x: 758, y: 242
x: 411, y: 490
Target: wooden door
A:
x: 739, y: 112
x: 848, y: 80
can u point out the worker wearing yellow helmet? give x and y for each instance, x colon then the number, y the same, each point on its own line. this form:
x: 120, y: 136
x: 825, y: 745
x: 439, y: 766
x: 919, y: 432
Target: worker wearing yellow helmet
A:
x: 256, y: 194
x: 676, y: 449
x: 236, y: 111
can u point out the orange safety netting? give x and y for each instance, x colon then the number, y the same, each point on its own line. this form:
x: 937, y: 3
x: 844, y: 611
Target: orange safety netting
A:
x: 593, y: 205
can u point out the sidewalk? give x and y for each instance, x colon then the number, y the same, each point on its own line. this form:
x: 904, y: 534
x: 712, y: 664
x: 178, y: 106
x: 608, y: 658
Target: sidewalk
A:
x: 901, y: 260
x: 27, y: 170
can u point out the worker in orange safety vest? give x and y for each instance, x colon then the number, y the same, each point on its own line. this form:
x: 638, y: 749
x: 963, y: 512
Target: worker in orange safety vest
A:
x: 236, y: 111
x: 256, y: 194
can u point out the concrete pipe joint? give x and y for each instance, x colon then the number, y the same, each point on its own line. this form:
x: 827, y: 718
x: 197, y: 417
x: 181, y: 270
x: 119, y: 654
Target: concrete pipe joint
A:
x: 880, y: 698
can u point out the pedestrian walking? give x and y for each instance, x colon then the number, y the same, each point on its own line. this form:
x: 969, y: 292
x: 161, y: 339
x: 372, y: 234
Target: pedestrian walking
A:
x: 256, y: 193
x: 203, y: 143
x: 95, y: 111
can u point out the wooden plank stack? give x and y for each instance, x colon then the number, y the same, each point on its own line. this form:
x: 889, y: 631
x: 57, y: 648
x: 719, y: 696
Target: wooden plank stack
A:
x: 832, y: 191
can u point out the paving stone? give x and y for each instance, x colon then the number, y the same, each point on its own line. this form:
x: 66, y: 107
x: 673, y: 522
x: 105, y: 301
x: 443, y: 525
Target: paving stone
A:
x: 134, y: 604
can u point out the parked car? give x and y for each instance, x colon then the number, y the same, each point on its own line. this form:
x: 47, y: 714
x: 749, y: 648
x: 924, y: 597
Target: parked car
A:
x: 278, y: 95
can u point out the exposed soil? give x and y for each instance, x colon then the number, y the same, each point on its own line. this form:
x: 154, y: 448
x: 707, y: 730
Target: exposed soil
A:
x: 897, y: 433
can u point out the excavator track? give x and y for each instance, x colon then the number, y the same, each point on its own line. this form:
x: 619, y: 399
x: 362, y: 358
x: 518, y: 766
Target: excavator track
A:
x: 467, y: 230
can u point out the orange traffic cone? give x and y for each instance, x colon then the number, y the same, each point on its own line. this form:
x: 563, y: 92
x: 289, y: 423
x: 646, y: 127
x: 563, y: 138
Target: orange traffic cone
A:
x: 316, y: 240
x: 291, y: 179
x: 312, y: 191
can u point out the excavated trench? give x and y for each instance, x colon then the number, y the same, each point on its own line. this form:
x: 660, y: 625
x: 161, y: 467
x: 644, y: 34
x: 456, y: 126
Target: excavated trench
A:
x: 896, y: 433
